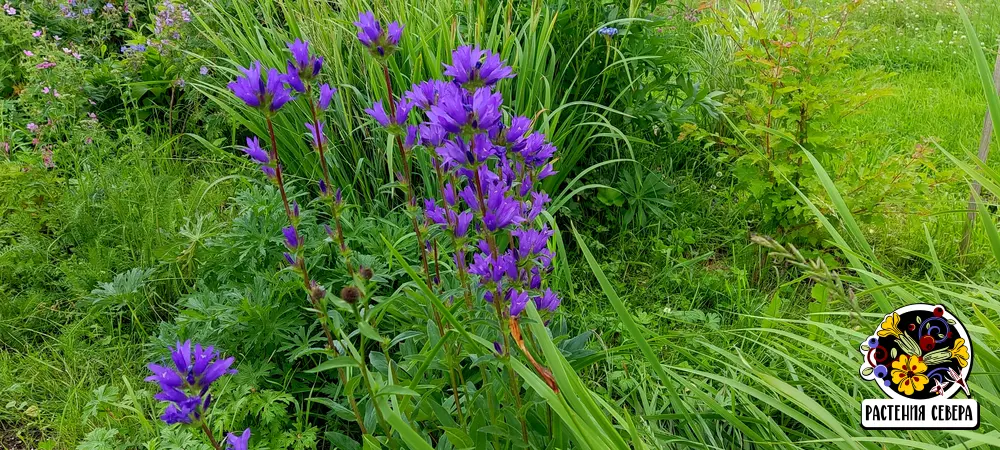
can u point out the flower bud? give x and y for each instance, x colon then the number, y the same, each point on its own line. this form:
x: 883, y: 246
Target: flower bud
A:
x: 350, y: 294
x: 366, y: 273
x: 316, y: 292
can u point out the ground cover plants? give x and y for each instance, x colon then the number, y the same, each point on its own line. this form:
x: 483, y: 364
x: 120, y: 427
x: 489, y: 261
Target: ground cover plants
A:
x: 493, y: 225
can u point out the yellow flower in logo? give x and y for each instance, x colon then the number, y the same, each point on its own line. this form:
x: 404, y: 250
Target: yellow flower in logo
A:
x: 889, y: 326
x: 960, y: 352
x: 908, y: 374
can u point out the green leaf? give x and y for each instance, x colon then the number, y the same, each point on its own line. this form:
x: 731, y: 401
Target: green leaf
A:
x: 395, y: 389
x: 459, y: 438
x: 369, y: 332
x: 334, y: 363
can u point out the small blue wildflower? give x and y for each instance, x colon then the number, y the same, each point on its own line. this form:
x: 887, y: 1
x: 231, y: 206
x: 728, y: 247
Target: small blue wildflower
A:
x: 608, y: 31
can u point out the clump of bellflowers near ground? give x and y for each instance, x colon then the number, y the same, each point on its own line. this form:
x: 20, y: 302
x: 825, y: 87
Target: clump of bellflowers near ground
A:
x: 479, y: 228
x: 488, y: 173
x: 185, y: 386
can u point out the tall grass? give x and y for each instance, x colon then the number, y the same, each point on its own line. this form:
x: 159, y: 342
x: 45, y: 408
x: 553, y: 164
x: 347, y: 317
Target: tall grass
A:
x: 788, y: 381
x: 558, y: 58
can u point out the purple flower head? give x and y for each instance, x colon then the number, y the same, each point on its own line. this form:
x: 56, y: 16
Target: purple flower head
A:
x: 203, y: 70
x: 450, y: 113
x: 434, y: 212
x: 291, y: 237
x: 323, y: 188
x: 411, y: 137
x: 325, y: 95
x: 502, y: 210
x: 255, y: 152
x: 294, y: 78
x: 518, y: 300
x: 485, y: 109
x: 307, y: 66
x: 431, y: 135
x: 474, y: 68
x: 234, y: 442
x: 462, y: 223
x: 538, y: 202
x: 546, y: 172
x: 457, y: 111
x: 183, y: 385
x: 548, y: 300
x: 276, y: 90
x: 184, y: 411
x: 531, y: 242
x: 289, y: 259
x: 395, y: 32
x: 519, y: 127
x: 534, y: 149
x: 32, y: 127
x: 377, y: 111
x: 491, y: 269
x: 369, y: 30
x: 316, y: 132
x: 608, y: 31
x: 381, y: 43
x: 425, y: 94
x: 271, y: 94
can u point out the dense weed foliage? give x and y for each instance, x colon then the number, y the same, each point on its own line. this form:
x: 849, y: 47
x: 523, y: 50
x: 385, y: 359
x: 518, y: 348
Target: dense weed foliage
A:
x: 491, y: 224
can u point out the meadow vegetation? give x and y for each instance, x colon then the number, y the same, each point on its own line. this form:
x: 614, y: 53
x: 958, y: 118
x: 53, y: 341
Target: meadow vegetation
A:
x: 738, y: 192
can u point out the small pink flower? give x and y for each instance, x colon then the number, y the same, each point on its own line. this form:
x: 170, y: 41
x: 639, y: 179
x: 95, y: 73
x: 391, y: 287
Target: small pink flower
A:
x: 92, y: 116
x: 66, y: 50
x: 45, y: 65
x: 32, y: 127
x: 37, y: 33
x: 57, y: 38
x: 91, y: 102
x: 88, y: 140
x: 28, y: 53
x: 45, y: 90
x: 76, y: 55
x: 55, y: 93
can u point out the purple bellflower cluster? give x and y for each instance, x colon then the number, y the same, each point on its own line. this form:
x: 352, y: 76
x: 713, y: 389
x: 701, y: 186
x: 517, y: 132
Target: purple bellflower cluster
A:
x: 269, y: 93
x: 492, y: 171
x: 185, y: 384
x: 489, y: 173
x: 380, y: 42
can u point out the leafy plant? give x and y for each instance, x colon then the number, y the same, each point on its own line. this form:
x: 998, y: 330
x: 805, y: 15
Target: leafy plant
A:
x: 788, y: 53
